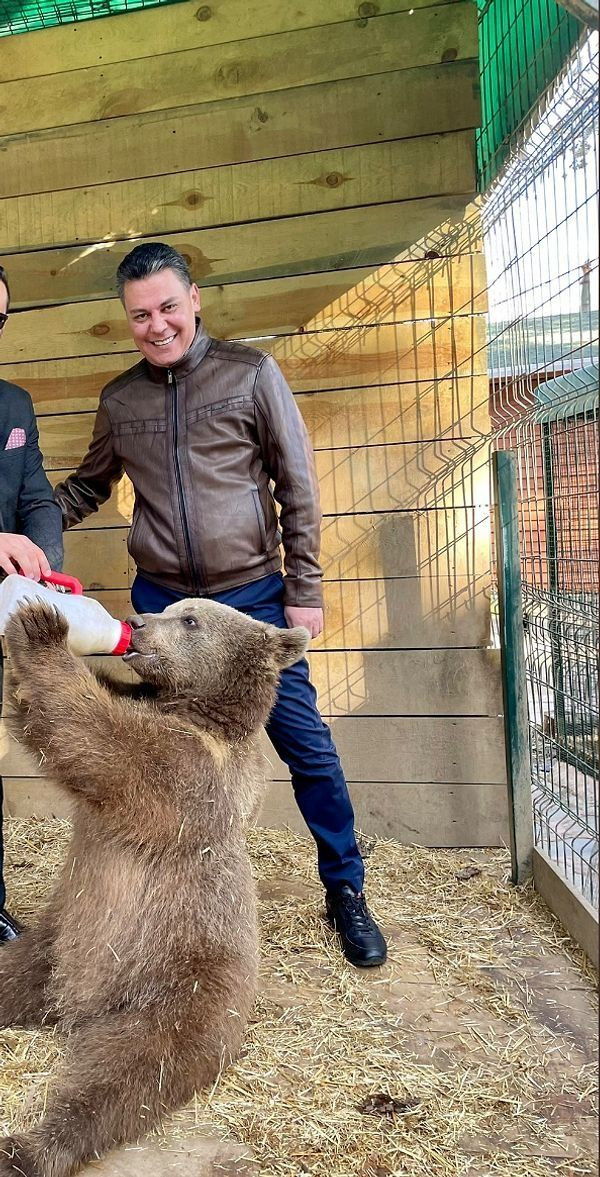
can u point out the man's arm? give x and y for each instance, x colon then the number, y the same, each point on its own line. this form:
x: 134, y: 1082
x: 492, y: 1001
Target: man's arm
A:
x: 92, y: 483
x: 289, y: 461
x: 38, y: 516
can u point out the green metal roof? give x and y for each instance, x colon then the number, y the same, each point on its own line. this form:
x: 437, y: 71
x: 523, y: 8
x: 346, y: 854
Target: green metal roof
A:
x: 22, y: 16
x: 523, y: 45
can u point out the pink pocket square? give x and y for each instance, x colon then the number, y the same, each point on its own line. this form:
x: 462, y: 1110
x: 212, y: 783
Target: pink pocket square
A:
x: 16, y: 438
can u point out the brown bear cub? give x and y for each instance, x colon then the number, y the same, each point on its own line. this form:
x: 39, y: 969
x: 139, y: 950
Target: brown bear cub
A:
x: 147, y: 951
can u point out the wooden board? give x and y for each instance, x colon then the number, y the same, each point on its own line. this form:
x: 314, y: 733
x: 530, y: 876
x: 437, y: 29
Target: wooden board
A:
x: 336, y: 240
x: 415, y: 749
x: 441, y: 544
x: 424, y: 815
x: 446, y: 472
x: 301, y: 57
x: 449, y: 548
x: 99, y: 559
x: 334, y: 114
x: 407, y: 682
x: 442, y: 473
x: 377, y: 682
x: 34, y: 797
x: 384, y: 354
x: 391, y: 413
x: 183, y: 26
x: 408, y: 613
x: 342, y: 419
x: 380, y: 354
x: 428, y: 814
x: 387, y: 412
x: 316, y: 181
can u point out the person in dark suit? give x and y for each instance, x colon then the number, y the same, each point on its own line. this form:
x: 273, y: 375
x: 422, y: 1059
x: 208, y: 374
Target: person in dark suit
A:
x: 30, y: 520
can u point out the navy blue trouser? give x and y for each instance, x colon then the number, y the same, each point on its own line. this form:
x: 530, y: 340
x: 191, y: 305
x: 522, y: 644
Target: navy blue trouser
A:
x: 296, y: 731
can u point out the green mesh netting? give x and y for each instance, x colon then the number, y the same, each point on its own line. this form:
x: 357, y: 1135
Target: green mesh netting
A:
x: 523, y: 45
x: 22, y: 16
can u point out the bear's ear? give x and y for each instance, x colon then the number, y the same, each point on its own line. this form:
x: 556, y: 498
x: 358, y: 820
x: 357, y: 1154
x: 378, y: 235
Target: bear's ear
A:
x: 288, y: 645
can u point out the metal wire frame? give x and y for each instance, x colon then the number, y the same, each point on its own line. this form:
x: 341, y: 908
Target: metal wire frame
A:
x: 23, y: 16
x: 540, y: 221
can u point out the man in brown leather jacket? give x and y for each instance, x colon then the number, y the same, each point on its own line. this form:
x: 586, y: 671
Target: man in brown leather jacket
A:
x: 205, y: 429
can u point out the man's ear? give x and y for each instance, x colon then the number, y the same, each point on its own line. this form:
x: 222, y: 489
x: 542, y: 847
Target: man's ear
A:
x: 288, y: 645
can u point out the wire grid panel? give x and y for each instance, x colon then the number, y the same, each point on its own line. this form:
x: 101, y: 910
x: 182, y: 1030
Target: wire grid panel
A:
x: 540, y: 223
x: 23, y: 16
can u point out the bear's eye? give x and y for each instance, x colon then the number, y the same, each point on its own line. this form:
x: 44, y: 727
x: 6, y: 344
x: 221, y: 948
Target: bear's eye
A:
x: 189, y: 621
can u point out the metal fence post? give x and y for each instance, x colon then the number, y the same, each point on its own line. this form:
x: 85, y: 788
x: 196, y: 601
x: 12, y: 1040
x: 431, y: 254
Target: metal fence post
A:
x: 514, y: 684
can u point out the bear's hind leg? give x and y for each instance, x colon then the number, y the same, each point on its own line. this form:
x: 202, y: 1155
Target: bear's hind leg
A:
x: 25, y: 968
x: 124, y: 1073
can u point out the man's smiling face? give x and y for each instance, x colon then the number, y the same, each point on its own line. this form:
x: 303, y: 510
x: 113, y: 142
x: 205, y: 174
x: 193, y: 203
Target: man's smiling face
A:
x: 161, y: 311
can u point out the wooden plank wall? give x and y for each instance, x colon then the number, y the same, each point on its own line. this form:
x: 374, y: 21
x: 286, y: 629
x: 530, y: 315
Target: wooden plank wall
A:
x: 315, y: 164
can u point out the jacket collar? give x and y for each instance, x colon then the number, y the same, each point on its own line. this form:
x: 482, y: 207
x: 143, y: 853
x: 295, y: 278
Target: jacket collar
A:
x: 189, y: 360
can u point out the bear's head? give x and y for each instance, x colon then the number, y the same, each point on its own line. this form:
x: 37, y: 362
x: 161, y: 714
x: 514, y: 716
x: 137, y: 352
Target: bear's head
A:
x: 214, y: 657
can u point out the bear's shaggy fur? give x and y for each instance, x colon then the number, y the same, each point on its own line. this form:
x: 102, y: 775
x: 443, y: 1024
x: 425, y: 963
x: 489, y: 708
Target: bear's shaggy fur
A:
x: 147, y: 951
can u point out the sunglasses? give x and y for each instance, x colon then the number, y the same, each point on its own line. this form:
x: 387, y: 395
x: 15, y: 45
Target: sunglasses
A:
x: 3, y: 320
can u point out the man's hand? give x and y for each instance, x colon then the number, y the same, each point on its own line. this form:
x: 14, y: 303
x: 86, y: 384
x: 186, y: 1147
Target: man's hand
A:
x: 311, y: 619
x: 19, y: 554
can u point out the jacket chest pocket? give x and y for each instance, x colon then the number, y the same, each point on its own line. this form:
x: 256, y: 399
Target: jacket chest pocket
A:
x: 12, y: 465
x: 134, y: 439
x: 233, y: 412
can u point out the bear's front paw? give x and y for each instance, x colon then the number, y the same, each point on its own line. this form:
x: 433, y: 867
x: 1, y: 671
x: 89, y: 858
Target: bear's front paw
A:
x: 16, y: 1157
x: 36, y: 623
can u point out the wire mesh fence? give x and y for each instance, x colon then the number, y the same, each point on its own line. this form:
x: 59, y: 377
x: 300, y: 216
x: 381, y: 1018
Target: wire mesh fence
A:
x: 540, y: 219
x: 23, y: 16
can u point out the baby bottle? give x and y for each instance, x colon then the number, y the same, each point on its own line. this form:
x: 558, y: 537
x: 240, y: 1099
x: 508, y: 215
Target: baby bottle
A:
x: 92, y: 630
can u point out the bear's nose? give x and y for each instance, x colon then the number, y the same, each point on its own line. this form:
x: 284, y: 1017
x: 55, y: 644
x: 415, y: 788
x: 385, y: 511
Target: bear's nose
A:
x: 136, y: 622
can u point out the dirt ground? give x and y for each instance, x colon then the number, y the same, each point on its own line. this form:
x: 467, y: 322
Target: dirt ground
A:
x: 471, y: 1053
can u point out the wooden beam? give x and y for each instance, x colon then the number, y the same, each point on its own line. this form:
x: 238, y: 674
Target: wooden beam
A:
x: 135, y: 35
x: 317, y: 181
x: 323, y: 241
x: 429, y: 36
x: 334, y: 114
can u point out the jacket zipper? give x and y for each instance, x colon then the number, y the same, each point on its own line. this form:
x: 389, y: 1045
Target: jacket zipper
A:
x: 184, y: 521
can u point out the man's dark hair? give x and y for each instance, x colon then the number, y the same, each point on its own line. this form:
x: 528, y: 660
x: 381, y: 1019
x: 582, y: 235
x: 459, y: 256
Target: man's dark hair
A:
x: 4, y: 281
x: 151, y: 258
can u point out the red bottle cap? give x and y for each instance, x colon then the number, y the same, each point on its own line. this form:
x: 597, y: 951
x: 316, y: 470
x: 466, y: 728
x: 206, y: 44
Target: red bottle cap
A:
x: 124, y: 640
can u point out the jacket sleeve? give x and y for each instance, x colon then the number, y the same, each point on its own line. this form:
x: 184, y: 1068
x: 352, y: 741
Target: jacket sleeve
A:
x: 288, y: 459
x: 38, y: 516
x: 84, y: 491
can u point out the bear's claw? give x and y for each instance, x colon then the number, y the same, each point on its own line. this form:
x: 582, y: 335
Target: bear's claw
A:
x: 39, y: 623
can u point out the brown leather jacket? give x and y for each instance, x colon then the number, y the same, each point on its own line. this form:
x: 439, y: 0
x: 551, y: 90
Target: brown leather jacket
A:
x: 201, y: 443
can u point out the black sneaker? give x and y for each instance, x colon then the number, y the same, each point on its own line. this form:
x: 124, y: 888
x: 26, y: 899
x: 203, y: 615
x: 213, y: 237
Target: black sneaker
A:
x: 10, y: 928
x: 362, y: 942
